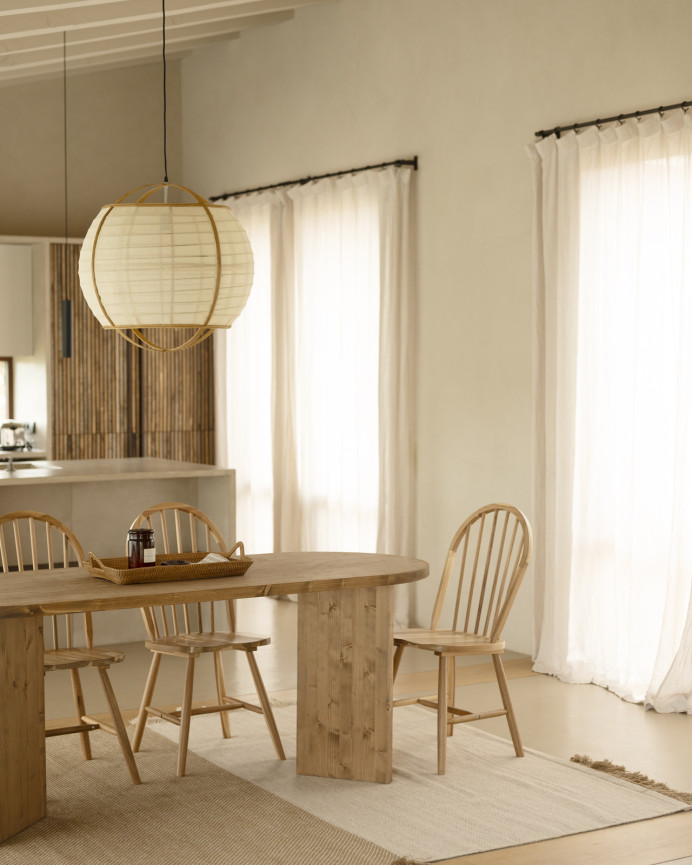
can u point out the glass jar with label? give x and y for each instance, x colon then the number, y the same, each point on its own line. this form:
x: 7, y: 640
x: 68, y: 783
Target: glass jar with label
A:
x: 141, y: 548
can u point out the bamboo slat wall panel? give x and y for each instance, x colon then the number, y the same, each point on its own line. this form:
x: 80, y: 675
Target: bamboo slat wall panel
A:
x: 178, y: 419
x: 111, y: 399
x: 93, y: 390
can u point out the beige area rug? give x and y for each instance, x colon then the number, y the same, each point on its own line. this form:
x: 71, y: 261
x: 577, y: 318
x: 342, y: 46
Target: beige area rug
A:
x: 96, y: 816
x: 487, y: 800
x: 256, y: 811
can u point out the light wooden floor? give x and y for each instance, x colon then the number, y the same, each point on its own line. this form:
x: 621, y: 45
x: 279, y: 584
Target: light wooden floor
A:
x: 558, y: 719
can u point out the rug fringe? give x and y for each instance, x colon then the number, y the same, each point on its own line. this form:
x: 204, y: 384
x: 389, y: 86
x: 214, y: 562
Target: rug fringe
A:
x: 633, y: 777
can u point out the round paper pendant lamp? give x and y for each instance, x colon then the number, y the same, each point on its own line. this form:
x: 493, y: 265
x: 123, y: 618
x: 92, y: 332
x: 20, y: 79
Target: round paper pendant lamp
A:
x: 147, y: 264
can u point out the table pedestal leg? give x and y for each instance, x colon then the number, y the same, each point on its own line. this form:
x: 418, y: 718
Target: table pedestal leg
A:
x: 22, y: 725
x: 345, y: 684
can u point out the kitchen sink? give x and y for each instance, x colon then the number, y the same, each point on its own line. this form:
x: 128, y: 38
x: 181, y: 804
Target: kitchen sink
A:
x: 20, y: 466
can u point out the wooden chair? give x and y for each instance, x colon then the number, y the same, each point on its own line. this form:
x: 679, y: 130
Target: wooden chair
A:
x: 495, y: 544
x: 53, y: 545
x: 189, y: 630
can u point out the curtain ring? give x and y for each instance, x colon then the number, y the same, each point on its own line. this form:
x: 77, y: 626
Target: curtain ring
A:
x: 685, y: 106
x: 620, y: 120
x: 638, y: 115
x: 660, y: 111
x: 598, y: 124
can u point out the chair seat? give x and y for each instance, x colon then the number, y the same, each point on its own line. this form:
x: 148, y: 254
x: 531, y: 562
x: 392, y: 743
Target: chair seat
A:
x: 214, y: 641
x: 453, y: 642
x: 72, y: 659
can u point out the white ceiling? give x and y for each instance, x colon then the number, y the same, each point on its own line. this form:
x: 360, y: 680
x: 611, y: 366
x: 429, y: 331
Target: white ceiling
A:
x: 104, y: 34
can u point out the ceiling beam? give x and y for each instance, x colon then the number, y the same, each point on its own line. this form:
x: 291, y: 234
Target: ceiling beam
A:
x: 15, y: 77
x: 18, y: 23
x: 26, y: 7
x: 110, y: 33
x: 78, y: 42
x: 141, y: 45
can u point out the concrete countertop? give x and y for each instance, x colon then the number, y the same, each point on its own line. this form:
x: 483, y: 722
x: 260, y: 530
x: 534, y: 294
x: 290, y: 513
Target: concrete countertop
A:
x: 91, y: 471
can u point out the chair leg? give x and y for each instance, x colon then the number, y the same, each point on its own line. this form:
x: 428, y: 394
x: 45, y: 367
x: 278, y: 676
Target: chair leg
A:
x: 507, y: 703
x: 451, y: 691
x: 119, y: 725
x: 221, y: 692
x: 231, y: 616
x: 185, y: 715
x: 398, y: 652
x: 146, y: 701
x: 80, y: 711
x: 442, y: 715
x: 266, y: 705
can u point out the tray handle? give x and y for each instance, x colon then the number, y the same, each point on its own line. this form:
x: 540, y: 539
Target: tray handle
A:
x: 238, y: 544
x: 95, y: 561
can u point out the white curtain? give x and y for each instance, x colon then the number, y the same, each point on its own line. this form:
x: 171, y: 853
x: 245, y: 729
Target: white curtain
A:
x: 315, y: 381
x: 613, y: 275
x: 242, y: 379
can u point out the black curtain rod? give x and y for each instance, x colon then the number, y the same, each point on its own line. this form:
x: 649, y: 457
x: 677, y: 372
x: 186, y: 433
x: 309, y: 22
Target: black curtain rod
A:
x: 544, y: 133
x: 304, y: 180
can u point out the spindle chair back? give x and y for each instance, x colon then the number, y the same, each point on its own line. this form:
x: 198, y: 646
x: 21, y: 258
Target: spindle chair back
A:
x: 485, y: 565
x: 182, y: 528
x: 191, y: 630
x: 29, y: 541
x: 491, y: 550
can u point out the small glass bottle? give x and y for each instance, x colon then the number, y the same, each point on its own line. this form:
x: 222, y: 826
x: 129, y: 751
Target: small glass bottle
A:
x: 141, y: 548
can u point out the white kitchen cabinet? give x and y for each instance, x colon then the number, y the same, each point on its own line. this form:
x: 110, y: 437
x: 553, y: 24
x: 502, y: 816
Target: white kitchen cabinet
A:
x: 16, y: 300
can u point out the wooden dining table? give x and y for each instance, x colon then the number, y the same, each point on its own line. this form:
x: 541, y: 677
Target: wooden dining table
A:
x: 344, y: 697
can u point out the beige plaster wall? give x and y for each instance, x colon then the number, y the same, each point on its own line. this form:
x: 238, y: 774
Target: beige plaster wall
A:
x: 464, y: 84
x: 114, y: 144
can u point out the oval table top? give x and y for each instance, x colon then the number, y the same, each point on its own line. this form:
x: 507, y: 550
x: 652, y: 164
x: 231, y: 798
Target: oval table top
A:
x: 74, y: 589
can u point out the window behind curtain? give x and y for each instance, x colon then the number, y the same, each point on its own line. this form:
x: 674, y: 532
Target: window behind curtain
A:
x: 248, y: 388
x: 335, y: 280
x: 632, y: 405
x: 614, y: 463
x: 337, y: 340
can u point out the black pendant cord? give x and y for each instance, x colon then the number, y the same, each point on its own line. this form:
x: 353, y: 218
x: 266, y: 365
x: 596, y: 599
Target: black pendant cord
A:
x: 545, y: 133
x: 66, y: 303
x: 165, y: 156
x: 64, y: 114
x: 413, y: 162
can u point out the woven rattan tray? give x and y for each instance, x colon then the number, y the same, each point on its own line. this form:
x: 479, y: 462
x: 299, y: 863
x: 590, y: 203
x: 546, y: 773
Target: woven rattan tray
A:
x: 117, y: 571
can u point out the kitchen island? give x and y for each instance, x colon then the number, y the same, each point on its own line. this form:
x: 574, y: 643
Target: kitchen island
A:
x: 99, y: 499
